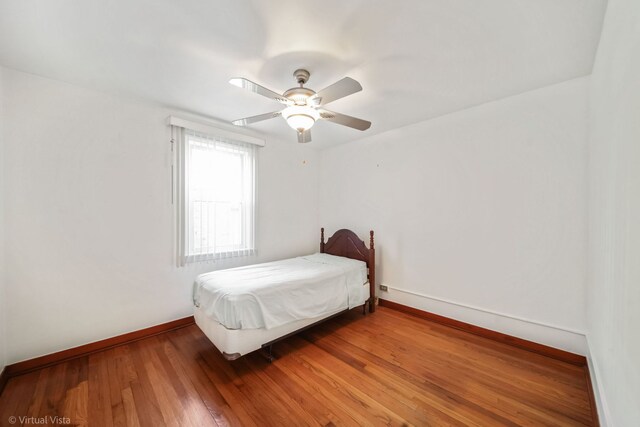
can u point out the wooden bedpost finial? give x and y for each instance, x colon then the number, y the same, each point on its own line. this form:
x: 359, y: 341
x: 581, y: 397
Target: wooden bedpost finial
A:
x: 371, y: 239
x: 322, y: 240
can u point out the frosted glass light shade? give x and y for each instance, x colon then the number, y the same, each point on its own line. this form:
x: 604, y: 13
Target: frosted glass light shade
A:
x: 300, y: 118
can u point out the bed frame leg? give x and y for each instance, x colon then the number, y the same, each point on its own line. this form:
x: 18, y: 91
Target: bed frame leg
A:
x: 364, y: 308
x: 268, y: 353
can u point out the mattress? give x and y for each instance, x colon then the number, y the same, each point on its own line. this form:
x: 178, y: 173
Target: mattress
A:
x: 270, y: 295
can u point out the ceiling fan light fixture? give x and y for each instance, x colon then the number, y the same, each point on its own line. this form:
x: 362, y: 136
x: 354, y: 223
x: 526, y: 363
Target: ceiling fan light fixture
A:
x: 300, y: 118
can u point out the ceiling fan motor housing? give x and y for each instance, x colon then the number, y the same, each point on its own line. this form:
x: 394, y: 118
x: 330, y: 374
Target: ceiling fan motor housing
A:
x: 299, y: 95
x: 301, y: 75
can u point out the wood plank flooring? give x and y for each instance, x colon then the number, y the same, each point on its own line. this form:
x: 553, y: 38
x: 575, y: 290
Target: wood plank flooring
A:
x: 387, y: 368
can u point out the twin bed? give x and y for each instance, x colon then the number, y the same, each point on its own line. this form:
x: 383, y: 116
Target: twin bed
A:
x: 247, y: 308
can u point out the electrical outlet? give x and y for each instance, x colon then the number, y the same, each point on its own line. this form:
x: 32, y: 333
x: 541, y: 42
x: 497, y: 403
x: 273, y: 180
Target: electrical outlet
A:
x: 384, y: 288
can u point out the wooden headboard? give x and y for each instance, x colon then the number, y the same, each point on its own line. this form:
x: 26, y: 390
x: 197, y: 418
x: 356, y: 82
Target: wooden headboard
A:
x: 346, y: 243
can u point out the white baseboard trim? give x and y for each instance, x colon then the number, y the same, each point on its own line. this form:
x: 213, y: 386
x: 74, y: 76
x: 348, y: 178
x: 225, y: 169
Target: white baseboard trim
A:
x: 604, y: 415
x: 550, y: 335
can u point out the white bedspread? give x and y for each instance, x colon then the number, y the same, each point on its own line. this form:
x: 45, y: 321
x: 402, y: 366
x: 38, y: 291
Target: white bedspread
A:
x: 276, y: 293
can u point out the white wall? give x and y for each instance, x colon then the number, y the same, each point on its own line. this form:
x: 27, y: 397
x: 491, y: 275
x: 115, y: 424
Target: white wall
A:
x: 482, y: 208
x: 614, y: 215
x: 479, y: 215
x: 3, y: 344
x: 89, y: 236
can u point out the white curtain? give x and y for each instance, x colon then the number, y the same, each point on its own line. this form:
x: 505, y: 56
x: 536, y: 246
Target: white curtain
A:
x: 214, y: 196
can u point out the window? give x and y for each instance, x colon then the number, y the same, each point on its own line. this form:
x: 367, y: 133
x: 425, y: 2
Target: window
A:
x: 216, y: 192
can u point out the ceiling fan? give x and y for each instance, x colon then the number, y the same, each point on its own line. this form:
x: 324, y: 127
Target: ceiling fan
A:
x: 304, y: 106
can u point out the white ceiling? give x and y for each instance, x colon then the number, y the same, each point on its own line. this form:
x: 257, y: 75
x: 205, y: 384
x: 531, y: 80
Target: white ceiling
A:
x: 416, y: 59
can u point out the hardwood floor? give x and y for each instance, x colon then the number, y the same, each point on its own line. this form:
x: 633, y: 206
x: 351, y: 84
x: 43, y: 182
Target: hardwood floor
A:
x: 386, y: 368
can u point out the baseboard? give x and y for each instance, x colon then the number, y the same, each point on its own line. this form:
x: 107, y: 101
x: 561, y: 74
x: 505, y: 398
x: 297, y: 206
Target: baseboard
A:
x: 542, y: 349
x: 592, y: 397
x: 30, y: 365
x: 556, y: 336
x: 599, y: 398
x: 4, y: 377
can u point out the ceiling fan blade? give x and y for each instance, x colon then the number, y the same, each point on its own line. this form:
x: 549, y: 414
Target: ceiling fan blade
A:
x: 260, y: 90
x: 304, y: 136
x: 258, y: 118
x: 339, y: 89
x: 344, y: 120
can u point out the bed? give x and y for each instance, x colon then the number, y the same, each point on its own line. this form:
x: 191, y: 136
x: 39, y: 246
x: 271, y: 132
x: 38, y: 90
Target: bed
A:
x: 248, y: 308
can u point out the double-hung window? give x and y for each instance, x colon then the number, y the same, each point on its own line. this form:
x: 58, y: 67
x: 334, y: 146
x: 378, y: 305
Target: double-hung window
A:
x: 216, y: 196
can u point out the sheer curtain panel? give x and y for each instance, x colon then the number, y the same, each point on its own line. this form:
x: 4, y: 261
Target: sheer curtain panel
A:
x: 214, y: 196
